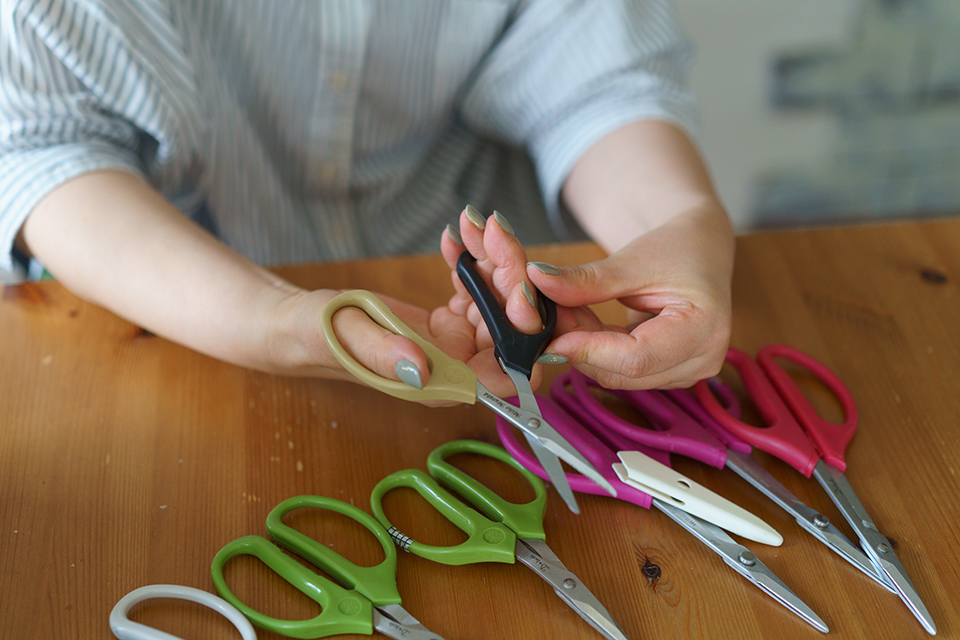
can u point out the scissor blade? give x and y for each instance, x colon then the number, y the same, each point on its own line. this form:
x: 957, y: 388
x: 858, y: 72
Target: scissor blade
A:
x: 539, y: 557
x: 877, y: 546
x: 549, y: 462
x: 531, y: 423
x: 813, y: 522
x: 399, y: 631
x: 743, y: 562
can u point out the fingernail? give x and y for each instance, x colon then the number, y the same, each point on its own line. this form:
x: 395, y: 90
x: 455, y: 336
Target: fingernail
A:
x: 528, y: 294
x: 503, y: 223
x: 409, y: 374
x: 475, y: 218
x: 543, y: 267
x: 551, y: 358
x: 454, y: 235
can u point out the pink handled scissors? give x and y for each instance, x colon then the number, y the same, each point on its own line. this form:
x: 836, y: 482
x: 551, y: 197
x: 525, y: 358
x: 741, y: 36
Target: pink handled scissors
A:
x: 600, y: 445
x: 799, y: 436
x: 682, y: 425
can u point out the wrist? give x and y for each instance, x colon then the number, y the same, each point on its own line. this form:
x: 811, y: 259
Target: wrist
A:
x: 294, y: 339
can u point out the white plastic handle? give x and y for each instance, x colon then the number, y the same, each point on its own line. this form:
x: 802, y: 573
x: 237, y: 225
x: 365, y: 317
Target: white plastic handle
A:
x: 126, y: 629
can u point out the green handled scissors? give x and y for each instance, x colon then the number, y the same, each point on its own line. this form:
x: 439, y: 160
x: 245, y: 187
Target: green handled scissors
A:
x: 368, y: 599
x: 454, y: 381
x: 504, y: 532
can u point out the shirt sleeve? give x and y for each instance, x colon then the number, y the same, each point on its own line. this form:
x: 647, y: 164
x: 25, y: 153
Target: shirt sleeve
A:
x: 568, y: 72
x: 76, y: 95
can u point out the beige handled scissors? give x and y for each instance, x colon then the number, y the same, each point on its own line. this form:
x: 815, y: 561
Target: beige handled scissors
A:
x: 450, y: 380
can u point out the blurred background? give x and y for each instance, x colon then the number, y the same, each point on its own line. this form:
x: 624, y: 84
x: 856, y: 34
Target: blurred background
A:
x: 828, y: 111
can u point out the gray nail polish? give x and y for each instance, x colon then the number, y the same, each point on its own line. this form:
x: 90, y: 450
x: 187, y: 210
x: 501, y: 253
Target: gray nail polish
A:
x: 552, y: 358
x: 475, y: 218
x: 503, y: 223
x: 454, y: 235
x: 528, y: 294
x: 543, y: 267
x: 409, y: 374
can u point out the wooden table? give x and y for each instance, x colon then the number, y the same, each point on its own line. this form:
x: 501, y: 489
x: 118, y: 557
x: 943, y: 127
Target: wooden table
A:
x: 126, y: 460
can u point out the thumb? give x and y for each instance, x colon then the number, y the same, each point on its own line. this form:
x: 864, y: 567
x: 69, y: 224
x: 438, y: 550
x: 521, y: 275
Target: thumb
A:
x: 383, y: 352
x: 582, y: 285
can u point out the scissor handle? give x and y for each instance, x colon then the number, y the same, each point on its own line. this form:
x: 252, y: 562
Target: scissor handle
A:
x: 126, y: 629
x: 450, y: 379
x: 688, y: 401
x: 831, y: 438
x: 513, y: 348
x: 783, y: 436
x: 343, y: 610
x: 378, y: 583
x: 674, y: 430
x: 525, y: 520
x: 487, y: 541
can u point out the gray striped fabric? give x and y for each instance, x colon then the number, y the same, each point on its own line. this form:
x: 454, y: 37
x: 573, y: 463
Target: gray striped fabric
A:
x: 313, y: 130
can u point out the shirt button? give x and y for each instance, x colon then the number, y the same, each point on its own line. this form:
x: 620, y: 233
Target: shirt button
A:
x: 340, y: 80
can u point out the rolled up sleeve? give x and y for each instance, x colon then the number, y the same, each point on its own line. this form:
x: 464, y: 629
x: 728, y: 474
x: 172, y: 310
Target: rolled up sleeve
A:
x: 53, y: 125
x: 567, y: 73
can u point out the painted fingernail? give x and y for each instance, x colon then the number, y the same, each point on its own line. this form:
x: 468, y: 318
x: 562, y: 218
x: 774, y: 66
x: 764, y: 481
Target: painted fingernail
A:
x: 551, y: 358
x: 409, y: 374
x: 454, y: 235
x: 503, y: 223
x: 543, y: 267
x: 528, y: 294
x: 475, y: 218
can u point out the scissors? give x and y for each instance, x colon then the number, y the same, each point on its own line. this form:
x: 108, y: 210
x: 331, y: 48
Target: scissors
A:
x: 516, y: 353
x: 797, y: 434
x: 586, y: 435
x: 681, y: 425
x: 368, y: 599
x: 501, y: 531
x: 126, y: 629
x: 454, y: 381
x: 571, y: 391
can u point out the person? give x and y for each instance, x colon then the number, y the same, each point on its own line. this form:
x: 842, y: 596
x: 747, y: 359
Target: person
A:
x: 155, y: 154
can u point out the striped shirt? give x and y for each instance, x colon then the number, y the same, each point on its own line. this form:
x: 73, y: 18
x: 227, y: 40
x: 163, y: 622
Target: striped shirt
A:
x: 316, y: 130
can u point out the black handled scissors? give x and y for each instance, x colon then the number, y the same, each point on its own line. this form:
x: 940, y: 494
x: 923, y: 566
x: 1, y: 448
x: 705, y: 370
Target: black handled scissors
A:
x: 516, y: 353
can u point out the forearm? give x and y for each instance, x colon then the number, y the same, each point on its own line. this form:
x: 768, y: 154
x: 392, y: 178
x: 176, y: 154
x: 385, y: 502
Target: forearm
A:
x: 638, y: 178
x: 117, y: 243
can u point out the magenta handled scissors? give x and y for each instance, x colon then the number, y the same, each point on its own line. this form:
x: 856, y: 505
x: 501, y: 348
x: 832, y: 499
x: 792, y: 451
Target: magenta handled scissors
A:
x: 799, y: 436
x: 600, y: 445
x: 682, y: 425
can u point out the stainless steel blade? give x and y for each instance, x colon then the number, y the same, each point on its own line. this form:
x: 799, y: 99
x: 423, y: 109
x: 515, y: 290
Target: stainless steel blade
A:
x: 532, y: 423
x: 743, y: 561
x: 394, y: 629
x: 541, y: 559
x: 881, y: 552
x: 813, y: 522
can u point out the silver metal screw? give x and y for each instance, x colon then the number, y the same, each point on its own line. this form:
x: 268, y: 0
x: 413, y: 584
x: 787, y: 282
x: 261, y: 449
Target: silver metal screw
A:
x: 747, y: 559
x: 533, y: 423
x: 821, y: 521
x: 883, y: 547
x: 569, y: 583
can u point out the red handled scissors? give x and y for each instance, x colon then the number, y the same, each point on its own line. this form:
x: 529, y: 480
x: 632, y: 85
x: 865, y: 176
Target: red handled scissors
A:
x: 799, y: 436
x: 681, y: 425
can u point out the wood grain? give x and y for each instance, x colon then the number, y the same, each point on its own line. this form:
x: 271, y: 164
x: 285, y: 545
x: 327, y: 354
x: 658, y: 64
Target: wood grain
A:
x: 126, y: 460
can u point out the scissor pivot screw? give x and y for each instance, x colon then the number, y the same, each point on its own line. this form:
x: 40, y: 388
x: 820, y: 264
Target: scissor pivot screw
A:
x: 747, y: 559
x: 821, y: 521
x: 533, y: 423
x: 883, y: 547
x: 569, y: 583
